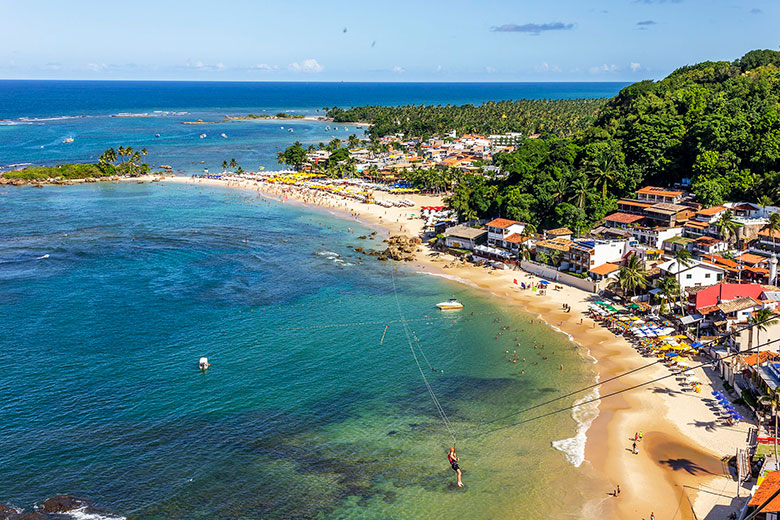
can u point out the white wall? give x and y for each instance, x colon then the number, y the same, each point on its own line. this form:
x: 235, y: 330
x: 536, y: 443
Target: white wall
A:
x: 550, y: 273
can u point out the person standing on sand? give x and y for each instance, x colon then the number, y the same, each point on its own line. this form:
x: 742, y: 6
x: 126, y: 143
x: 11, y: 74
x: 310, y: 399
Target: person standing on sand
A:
x: 634, y: 448
x: 453, y: 459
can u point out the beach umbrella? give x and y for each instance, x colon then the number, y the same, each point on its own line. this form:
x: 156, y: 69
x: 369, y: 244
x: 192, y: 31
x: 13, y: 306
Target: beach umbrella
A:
x: 671, y: 354
x: 544, y: 282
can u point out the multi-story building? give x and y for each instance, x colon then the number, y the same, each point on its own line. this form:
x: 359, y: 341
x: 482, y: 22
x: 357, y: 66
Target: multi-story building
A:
x: 654, y: 195
x: 500, y: 228
x: 587, y: 254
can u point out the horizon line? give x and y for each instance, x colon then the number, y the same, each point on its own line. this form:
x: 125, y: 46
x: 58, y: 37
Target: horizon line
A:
x: 308, y: 81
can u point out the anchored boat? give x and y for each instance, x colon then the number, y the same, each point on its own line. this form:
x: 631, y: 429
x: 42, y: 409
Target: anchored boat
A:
x: 450, y: 305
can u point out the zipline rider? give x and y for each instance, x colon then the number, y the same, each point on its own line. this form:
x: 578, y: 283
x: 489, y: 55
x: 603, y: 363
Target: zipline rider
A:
x: 454, y: 463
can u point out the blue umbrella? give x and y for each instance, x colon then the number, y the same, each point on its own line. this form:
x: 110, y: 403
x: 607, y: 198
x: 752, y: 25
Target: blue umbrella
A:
x: 671, y: 354
x: 544, y: 282
x: 716, y: 394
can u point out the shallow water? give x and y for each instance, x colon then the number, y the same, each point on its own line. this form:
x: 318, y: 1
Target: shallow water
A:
x: 306, y: 412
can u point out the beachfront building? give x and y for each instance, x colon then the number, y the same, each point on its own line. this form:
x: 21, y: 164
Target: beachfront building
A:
x: 695, y: 274
x: 500, y: 229
x: 464, y: 237
x: 587, y: 254
x: 604, y: 271
x: 563, y: 232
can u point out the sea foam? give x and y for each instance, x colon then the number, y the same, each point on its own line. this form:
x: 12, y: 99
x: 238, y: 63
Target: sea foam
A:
x: 573, y: 448
x: 83, y: 514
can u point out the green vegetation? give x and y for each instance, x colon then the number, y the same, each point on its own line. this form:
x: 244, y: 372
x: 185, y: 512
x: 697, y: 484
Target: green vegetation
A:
x: 122, y: 161
x: 559, y: 117
x: 715, y: 123
x: 66, y: 171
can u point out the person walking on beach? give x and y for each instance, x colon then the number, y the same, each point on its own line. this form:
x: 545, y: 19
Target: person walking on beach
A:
x: 453, y: 459
x: 634, y: 448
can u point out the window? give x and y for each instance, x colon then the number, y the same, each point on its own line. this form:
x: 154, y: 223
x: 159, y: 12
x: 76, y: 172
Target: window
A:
x: 706, y: 275
x: 688, y: 276
x: 720, y: 277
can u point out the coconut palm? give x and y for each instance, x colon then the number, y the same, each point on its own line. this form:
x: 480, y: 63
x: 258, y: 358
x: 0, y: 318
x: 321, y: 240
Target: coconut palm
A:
x: 233, y: 164
x: 669, y: 288
x: 632, y: 275
x: 726, y: 226
x: 758, y: 322
x: 602, y: 169
x: 224, y: 166
x: 774, y: 229
x: 580, y: 192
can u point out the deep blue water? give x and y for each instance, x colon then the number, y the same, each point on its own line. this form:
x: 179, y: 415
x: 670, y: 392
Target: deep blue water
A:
x: 20, y: 98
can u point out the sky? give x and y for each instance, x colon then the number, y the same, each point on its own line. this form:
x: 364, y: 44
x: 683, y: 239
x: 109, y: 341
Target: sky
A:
x: 335, y: 40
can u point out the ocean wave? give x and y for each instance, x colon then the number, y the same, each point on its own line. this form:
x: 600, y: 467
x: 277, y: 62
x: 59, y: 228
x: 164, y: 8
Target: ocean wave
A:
x: 573, y: 448
x: 52, y: 118
x: 84, y: 513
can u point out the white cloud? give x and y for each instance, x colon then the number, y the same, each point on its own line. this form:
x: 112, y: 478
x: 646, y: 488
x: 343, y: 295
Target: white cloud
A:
x: 490, y: 70
x: 398, y: 69
x: 546, y: 67
x: 220, y: 66
x: 96, y: 67
x: 603, y: 68
x: 635, y: 66
x: 309, y: 66
x: 264, y: 67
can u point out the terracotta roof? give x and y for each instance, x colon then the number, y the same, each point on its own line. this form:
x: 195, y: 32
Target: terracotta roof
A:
x: 695, y: 224
x: 605, y: 269
x: 558, y: 244
x: 623, y: 218
x: 766, y: 233
x: 502, y: 223
x: 634, y: 203
x: 711, y: 210
x: 559, y: 231
x: 653, y: 190
x: 707, y: 241
x: 720, y: 260
x: 763, y: 357
x: 708, y: 310
x: 751, y: 259
x: 738, y: 305
x: 515, y: 238
x: 665, y: 207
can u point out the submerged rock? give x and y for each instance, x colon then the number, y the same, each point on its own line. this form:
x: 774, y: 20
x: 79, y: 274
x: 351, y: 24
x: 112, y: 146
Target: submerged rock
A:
x: 402, y: 248
x: 62, y: 504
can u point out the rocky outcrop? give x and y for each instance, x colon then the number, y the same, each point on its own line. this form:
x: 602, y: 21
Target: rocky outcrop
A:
x: 401, y: 248
x: 51, y: 508
x: 62, y: 504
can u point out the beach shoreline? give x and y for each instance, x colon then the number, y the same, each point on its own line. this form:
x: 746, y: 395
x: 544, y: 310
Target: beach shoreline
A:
x: 650, y: 481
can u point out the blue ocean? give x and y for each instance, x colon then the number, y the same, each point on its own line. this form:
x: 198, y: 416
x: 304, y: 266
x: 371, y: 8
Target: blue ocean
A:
x: 314, y: 406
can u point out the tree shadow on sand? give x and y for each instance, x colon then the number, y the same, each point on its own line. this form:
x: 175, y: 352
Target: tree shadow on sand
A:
x: 686, y: 465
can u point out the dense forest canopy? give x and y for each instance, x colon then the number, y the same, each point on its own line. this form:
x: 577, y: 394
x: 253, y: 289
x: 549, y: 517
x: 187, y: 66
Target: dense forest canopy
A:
x: 715, y: 123
x: 559, y: 117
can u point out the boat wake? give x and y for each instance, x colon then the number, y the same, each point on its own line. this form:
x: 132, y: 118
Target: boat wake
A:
x: 42, y: 257
x: 573, y: 448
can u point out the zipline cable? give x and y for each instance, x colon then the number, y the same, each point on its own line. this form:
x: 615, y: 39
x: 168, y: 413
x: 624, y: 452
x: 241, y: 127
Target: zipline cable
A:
x: 599, y: 383
x: 617, y: 392
x: 436, y: 403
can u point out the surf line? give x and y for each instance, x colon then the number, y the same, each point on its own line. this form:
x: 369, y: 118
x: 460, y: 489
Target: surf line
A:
x: 436, y: 403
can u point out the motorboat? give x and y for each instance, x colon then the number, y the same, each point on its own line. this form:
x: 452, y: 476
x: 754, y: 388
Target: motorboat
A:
x: 202, y: 136
x: 450, y: 305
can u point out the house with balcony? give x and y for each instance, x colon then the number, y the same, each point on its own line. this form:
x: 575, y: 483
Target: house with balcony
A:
x: 666, y: 214
x: 707, y: 246
x: 695, y: 274
x: 768, y: 241
x: 464, y: 237
x: 501, y: 228
x: 634, y: 207
x: 654, y: 237
x: 654, y: 194
x: 587, y: 254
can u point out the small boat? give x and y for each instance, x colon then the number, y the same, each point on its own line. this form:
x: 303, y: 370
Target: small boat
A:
x: 157, y: 135
x: 68, y: 140
x: 327, y: 128
x: 203, y: 363
x: 289, y: 130
x: 346, y: 129
x: 281, y: 127
x: 202, y: 136
x: 450, y: 305
x: 223, y: 135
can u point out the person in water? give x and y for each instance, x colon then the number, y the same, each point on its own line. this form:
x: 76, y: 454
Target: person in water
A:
x: 454, y: 463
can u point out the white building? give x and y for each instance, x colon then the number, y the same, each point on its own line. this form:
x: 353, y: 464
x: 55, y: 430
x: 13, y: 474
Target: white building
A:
x: 693, y: 275
x: 653, y: 237
x: 501, y: 228
x: 584, y: 255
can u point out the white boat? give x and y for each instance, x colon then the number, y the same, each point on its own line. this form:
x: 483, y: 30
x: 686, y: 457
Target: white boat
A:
x: 450, y: 305
x: 223, y: 135
x: 68, y: 140
x: 202, y: 136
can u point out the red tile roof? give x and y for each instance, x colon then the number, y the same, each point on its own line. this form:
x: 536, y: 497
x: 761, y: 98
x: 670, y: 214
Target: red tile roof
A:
x: 653, y: 190
x: 515, y: 238
x: 763, y: 357
x: 623, y: 218
x: 751, y: 259
x: 766, y: 233
x: 711, y: 211
x: 634, y: 203
x: 707, y: 241
x: 715, y: 294
x: 605, y: 269
x: 502, y: 223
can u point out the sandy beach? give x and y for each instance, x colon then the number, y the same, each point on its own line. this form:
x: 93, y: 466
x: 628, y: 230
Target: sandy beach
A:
x: 679, y: 470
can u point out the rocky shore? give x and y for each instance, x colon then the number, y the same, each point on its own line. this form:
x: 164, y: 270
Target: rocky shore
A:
x: 401, y: 248
x: 39, y: 183
x: 52, y: 508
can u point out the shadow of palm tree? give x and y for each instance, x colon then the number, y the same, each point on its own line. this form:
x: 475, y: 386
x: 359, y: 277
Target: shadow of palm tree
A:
x: 686, y: 465
x: 710, y: 426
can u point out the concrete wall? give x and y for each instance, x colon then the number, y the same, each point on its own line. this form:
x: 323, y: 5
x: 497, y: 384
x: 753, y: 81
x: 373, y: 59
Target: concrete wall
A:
x: 550, y: 273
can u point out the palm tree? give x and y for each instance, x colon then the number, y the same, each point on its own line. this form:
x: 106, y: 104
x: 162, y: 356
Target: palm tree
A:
x: 233, y: 164
x: 632, y: 276
x: 759, y: 321
x: 603, y: 171
x: 555, y: 258
x: 669, y: 288
x: 683, y: 258
x: 224, y: 166
x: 764, y: 201
x: 726, y: 226
x: 774, y: 229
x: 580, y: 193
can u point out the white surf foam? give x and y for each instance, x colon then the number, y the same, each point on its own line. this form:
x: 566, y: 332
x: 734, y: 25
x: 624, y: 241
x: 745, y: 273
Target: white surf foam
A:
x: 573, y: 448
x: 452, y: 278
x: 42, y: 257
x: 82, y: 514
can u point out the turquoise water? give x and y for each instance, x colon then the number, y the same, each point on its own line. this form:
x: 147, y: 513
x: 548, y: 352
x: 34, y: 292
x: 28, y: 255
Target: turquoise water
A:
x: 110, y: 294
